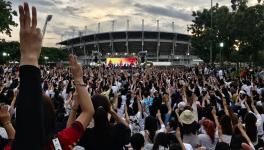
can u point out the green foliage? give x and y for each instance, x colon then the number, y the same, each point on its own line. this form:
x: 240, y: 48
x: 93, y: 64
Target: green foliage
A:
x: 12, y: 48
x: 53, y: 54
x: 243, y: 27
x: 6, y: 17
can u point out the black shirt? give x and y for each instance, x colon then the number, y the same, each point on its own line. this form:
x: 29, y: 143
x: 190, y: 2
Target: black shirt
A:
x: 112, y: 138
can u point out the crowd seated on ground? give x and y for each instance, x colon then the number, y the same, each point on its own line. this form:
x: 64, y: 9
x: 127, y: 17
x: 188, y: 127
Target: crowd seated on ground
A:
x: 204, y: 108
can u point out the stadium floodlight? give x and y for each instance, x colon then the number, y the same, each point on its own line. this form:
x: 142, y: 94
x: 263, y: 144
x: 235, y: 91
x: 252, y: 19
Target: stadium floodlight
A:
x: 125, y: 54
x: 4, y: 54
x: 221, y: 47
x: 46, y: 58
x: 48, y: 19
x: 221, y: 44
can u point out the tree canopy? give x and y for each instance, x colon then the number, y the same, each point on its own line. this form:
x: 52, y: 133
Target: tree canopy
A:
x: 240, y: 29
x: 6, y: 17
x: 11, y: 51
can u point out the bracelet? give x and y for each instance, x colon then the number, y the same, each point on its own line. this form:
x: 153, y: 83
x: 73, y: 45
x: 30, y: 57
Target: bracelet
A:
x: 79, y: 84
x: 74, y: 110
x: 6, y: 123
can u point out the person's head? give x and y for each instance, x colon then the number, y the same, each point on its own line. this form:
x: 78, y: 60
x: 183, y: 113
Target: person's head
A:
x: 102, y: 107
x: 209, y: 128
x: 137, y: 141
x: 151, y: 126
x: 226, y: 122
x: 236, y: 142
x: 250, y: 125
x: 189, y: 123
x: 222, y: 146
x: 171, y: 126
x: 161, y: 140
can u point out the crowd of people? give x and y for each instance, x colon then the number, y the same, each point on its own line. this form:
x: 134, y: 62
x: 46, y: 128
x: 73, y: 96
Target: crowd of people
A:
x: 74, y: 107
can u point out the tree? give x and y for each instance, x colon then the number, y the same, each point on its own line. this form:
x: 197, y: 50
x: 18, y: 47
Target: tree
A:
x: 241, y: 31
x: 11, y: 50
x: 6, y: 17
x: 53, y: 54
x: 203, y: 34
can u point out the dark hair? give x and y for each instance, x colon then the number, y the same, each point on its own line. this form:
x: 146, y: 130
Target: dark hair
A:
x: 175, y: 146
x: 3, y: 142
x: 161, y: 140
x: 151, y: 126
x: 225, y: 122
x: 137, y: 141
x: 190, y: 128
x: 102, y: 107
x: 260, y: 109
x: 222, y: 146
x: 49, y: 118
x: 236, y: 141
x: 173, y: 124
x: 250, y: 125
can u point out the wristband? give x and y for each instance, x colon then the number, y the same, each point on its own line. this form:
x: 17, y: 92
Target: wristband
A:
x: 6, y: 123
x: 79, y: 84
x: 74, y: 110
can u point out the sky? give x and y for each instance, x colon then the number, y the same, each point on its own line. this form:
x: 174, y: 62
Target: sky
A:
x: 71, y: 16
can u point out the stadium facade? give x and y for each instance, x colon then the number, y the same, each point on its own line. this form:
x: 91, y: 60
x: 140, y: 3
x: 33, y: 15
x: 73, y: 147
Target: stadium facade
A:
x: 157, y: 46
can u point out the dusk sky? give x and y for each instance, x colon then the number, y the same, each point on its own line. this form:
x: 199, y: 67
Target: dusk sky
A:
x: 76, y: 14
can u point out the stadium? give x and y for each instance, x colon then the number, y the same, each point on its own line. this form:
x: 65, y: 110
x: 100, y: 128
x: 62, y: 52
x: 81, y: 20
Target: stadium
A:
x: 159, y: 47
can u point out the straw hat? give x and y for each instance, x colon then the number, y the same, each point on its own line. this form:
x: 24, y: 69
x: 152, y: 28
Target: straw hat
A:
x: 187, y: 117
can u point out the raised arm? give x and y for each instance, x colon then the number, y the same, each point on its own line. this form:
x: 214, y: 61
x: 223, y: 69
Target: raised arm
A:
x: 225, y: 107
x: 217, y: 124
x: 5, y: 119
x: 29, y: 101
x: 117, y: 118
x: 74, y: 108
x: 244, y: 134
x: 178, y: 137
x: 84, y: 97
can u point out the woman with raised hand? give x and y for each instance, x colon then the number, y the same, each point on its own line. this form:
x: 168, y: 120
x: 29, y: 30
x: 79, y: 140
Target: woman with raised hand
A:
x: 105, y: 135
x: 35, y: 122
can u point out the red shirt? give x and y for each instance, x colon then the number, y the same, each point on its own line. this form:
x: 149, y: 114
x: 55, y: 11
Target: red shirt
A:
x: 68, y: 137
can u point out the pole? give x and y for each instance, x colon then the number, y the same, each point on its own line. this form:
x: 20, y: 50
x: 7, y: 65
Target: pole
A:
x: 98, y: 27
x: 211, y: 42
x: 142, y: 44
x: 173, y: 28
x: 127, y: 50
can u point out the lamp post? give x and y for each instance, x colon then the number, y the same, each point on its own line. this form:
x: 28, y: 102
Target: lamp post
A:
x: 46, y: 58
x: 48, y: 19
x: 221, y: 47
x: 211, y: 46
x: 5, y: 55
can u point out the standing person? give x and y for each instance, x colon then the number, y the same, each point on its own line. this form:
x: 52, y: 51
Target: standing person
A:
x: 104, y: 135
x: 189, y: 128
x: 35, y: 115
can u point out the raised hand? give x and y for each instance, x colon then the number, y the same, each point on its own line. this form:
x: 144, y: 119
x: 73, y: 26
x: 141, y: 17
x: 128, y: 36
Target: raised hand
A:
x: 213, y: 111
x: 76, y: 69
x: 4, y: 115
x: 158, y: 115
x: 30, y: 36
x: 75, y: 102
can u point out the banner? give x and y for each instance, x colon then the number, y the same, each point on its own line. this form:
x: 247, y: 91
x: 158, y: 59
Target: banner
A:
x: 122, y: 61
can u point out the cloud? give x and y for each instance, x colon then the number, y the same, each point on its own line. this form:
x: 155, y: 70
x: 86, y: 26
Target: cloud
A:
x: 165, y: 11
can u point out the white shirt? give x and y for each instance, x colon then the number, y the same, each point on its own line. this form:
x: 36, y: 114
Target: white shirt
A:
x: 3, y: 133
